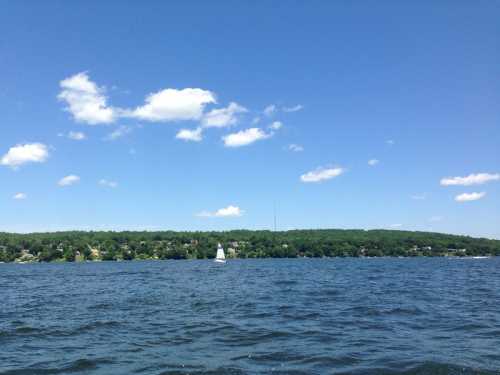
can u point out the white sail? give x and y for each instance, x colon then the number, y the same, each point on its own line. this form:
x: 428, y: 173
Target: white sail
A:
x: 220, y: 257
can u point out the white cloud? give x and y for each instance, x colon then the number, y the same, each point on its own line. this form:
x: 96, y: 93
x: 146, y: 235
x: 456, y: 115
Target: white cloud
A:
x: 69, y: 180
x: 121, y: 131
x: 269, y: 110
x: 276, y: 125
x: 85, y: 100
x: 373, y: 162
x: 472, y: 179
x: 20, y: 196
x: 107, y: 183
x: 396, y: 225
x: 467, y: 197
x: 173, y: 105
x: 295, y: 108
x: 245, y: 137
x: 222, y: 117
x: 194, y: 135
x: 25, y: 153
x: 390, y: 142
x: 321, y: 174
x: 295, y: 148
x: 229, y: 211
x: 77, y: 136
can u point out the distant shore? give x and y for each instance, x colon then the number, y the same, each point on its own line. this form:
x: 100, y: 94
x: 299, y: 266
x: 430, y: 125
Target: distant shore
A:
x: 117, y: 246
x: 190, y: 259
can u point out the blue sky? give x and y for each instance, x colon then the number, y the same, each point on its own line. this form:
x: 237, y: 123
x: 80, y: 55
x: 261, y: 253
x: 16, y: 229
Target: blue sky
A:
x: 204, y: 115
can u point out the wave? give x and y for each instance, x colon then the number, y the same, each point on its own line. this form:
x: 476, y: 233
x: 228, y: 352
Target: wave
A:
x: 79, y: 365
x: 47, y: 332
x: 241, y: 337
x: 285, y: 282
x: 97, y: 325
x: 425, y: 368
x: 216, y: 371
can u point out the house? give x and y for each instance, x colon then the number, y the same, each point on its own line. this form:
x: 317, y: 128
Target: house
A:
x: 94, y: 252
x: 457, y: 251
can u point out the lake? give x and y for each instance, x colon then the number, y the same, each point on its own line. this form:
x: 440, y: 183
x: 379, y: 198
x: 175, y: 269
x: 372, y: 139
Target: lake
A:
x: 276, y: 316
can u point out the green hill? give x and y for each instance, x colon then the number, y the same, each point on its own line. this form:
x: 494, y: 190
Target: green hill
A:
x: 76, y: 245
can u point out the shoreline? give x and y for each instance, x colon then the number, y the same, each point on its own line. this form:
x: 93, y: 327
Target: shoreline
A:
x: 240, y: 244
x: 62, y: 261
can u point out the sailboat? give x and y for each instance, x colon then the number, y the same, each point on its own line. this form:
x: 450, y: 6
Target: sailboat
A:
x: 220, y: 257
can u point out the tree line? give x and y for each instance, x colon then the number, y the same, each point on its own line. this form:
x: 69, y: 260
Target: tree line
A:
x: 80, y: 245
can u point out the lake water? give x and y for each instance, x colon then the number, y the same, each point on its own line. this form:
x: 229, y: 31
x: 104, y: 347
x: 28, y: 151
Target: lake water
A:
x: 297, y: 316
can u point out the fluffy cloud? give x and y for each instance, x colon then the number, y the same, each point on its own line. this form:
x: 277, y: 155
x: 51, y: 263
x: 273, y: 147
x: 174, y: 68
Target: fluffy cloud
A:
x: 467, y: 197
x: 472, y: 179
x: 269, y: 110
x: 321, y: 174
x: 222, y: 117
x: 121, y: 131
x: 295, y: 148
x: 295, y: 108
x: 245, y: 137
x: 194, y: 135
x: 69, y: 180
x: 373, y: 162
x: 25, y: 153
x: 77, y: 136
x: 173, y: 105
x: 223, y: 212
x: 85, y: 100
x: 276, y: 125
x: 107, y: 183
x: 20, y: 196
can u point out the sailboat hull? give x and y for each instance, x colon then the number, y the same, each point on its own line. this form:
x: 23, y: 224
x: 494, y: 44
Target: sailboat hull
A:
x: 219, y: 260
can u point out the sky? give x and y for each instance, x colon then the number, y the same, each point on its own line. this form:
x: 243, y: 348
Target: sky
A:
x: 195, y: 115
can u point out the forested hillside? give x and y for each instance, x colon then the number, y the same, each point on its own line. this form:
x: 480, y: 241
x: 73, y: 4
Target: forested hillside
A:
x: 71, y: 246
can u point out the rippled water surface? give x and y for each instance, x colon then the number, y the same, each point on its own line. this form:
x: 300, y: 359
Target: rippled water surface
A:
x: 300, y: 316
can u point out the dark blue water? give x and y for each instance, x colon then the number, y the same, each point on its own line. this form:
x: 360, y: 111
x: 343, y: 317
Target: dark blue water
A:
x: 301, y: 316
